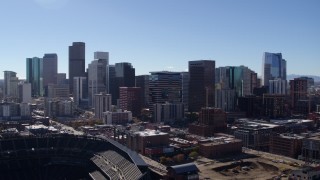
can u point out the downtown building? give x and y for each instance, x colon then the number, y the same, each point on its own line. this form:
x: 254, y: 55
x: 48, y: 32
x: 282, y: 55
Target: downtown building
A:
x: 142, y: 81
x: 11, y: 82
x: 76, y: 62
x: 80, y: 92
x: 102, y: 103
x: 97, y: 75
x: 120, y: 75
x: 274, y: 67
x: 299, y: 95
x: 50, y: 70
x: 35, y: 75
x: 130, y: 100
x: 201, y: 84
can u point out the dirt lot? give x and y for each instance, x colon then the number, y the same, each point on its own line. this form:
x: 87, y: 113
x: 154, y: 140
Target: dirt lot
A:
x: 260, y: 166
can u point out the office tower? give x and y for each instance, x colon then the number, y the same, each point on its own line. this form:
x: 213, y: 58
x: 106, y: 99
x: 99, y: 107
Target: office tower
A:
x: 10, y: 84
x: 80, y: 91
x: 97, y: 75
x: 25, y: 92
x: 242, y: 80
x: 298, y: 92
x: 50, y: 69
x: 62, y: 78
x: 185, y: 77
x: 277, y: 86
x: 76, y: 62
x: 201, y: 84
x: 273, y: 67
x: 102, y: 103
x: 112, y: 79
x: 142, y: 81
x: 35, y: 75
x: 165, y: 87
x: 124, y: 77
x: 130, y: 99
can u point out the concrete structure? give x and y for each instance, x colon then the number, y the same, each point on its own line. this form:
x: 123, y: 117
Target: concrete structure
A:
x: 201, y: 84
x: 274, y: 67
x: 275, y: 106
x: 10, y: 111
x: 308, y: 172
x: 220, y: 146
x: 62, y: 78
x: 211, y: 120
x: 59, y: 108
x: 311, y: 149
x: 76, y: 62
x: 57, y: 91
x: 183, y: 171
x: 25, y: 110
x: 118, y: 117
x: 10, y: 84
x: 147, y: 141
x: 298, y: 92
x: 278, y: 86
x: 80, y: 91
x: 50, y: 70
x: 97, y: 75
x: 35, y: 75
x: 286, y: 144
x: 168, y: 112
x: 25, y: 92
x: 130, y: 99
x: 102, y: 104
x: 255, y: 135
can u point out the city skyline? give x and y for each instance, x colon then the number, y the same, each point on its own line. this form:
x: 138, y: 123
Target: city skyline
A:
x: 162, y: 35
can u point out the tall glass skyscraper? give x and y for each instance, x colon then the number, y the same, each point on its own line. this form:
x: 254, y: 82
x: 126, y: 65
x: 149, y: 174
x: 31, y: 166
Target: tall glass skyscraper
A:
x: 274, y: 67
x: 35, y: 75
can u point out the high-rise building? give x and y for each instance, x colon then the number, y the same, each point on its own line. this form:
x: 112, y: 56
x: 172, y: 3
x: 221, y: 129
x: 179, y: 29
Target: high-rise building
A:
x: 185, y: 77
x: 24, y: 92
x: 298, y: 91
x: 76, y: 62
x: 97, y: 75
x: 112, y: 79
x: 142, y: 81
x: 80, y: 91
x: 130, y: 99
x: 50, y: 69
x: 165, y: 87
x: 102, y: 103
x: 10, y: 84
x: 35, y: 75
x: 201, y: 84
x: 62, y: 78
x: 273, y: 67
x: 277, y: 86
x: 124, y: 77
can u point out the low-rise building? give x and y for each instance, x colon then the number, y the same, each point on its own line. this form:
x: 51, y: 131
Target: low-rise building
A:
x: 311, y: 149
x: 118, y: 117
x: 286, y: 144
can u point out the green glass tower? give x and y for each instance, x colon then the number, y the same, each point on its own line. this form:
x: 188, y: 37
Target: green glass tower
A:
x: 35, y: 75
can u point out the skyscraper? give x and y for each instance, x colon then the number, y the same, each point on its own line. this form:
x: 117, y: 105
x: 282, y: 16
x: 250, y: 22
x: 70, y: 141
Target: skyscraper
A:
x: 8, y: 76
x: 165, y: 87
x: 76, y: 62
x: 142, y: 81
x: 124, y: 77
x: 201, y: 84
x: 80, y: 91
x: 35, y: 75
x: 50, y: 69
x: 102, y: 103
x: 273, y: 67
x: 97, y: 75
x: 130, y: 99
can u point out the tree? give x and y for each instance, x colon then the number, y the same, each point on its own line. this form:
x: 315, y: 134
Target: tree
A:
x: 193, y: 155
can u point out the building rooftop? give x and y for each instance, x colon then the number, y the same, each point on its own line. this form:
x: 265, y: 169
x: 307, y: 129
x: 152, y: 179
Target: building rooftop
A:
x: 149, y: 132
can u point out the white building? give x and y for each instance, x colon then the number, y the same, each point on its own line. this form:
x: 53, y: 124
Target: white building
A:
x: 168, y: 112
x: 80, y: 91
x: 25, y: 92
x: 277, y: 86
x: 118, y: 117
x: 102, y: 104
x: 25, y: 110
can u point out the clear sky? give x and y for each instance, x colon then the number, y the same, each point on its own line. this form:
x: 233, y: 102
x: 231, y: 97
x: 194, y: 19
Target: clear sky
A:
x: 159, y: 35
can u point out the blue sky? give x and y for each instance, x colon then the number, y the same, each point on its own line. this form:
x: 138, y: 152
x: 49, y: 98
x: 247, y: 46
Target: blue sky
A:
x: 163, y: 34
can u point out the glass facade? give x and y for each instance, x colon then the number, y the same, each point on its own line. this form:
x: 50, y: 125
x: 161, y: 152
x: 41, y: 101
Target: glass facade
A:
x: 274, y: 67
x: 35, y: 75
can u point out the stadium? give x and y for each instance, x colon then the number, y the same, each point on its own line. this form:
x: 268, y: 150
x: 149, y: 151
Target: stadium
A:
x: 66, y: 157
